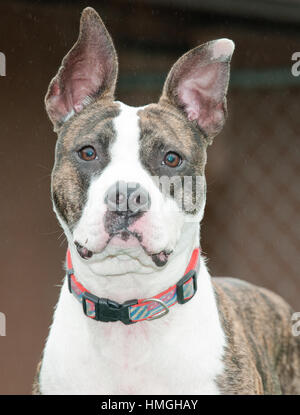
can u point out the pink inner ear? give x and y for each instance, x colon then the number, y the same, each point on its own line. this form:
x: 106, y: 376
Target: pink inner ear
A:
x: 202, y: 91
x: 88, y: 70
x: 83, y: 82
x: 79, y: 80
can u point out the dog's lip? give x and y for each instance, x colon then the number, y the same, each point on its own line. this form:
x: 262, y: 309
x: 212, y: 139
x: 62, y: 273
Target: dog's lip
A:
x: 159, y: 258
x: 83, y: 251
x: 125, y: 234
x: 86, y: 253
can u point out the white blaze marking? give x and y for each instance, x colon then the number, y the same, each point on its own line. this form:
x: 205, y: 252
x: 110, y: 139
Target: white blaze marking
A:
x: 125, y: 150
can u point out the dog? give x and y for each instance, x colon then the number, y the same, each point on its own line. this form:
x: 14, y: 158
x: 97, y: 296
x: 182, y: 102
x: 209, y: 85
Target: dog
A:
x: 138, y: 312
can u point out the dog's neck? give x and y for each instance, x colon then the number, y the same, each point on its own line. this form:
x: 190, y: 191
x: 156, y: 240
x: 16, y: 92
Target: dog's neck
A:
x: 132, y: 273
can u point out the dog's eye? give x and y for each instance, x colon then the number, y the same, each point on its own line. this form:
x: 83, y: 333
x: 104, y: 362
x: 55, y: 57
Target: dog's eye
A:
x: 172, y: 159
x: 87, y: 153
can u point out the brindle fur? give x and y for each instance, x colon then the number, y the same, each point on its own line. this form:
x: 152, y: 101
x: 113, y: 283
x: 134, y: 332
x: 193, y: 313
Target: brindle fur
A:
x: 262, y: 356
x: 36, y: 382
x: 70, y: 177
x: 164, y: 128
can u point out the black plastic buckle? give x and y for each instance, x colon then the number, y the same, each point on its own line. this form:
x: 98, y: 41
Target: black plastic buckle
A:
x: 107, y: 310
x: 179, y: 286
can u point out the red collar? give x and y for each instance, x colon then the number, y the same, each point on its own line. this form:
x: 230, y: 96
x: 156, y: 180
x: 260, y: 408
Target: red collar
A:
x: 103, y: 309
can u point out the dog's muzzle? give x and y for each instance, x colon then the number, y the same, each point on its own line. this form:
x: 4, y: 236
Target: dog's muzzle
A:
x: 127, y: 198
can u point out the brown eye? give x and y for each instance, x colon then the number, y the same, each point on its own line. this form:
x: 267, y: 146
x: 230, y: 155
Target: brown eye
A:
x: 172, y: 159
x: 87, y: 153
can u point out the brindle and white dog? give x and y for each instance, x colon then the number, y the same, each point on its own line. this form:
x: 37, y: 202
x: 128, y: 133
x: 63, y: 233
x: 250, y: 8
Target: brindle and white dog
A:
x: 231, y: 337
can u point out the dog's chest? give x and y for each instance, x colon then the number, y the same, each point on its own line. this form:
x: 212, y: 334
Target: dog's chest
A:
x: 159, y: 357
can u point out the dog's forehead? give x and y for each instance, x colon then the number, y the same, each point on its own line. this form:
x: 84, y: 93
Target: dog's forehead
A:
x: 96, y: 118
x: 138, y: 126
x: 113, y: 119
x: 168, y: 124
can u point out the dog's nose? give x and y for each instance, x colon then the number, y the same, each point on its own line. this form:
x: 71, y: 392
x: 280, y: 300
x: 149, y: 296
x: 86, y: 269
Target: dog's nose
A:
x: 127, y: 198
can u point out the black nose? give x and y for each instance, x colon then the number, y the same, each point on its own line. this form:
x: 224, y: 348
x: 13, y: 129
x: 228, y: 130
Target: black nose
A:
x: 127, y: 198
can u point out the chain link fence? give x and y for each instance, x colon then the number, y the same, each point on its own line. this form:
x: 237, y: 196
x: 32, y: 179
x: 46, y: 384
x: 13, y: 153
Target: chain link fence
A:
x: 251, y: 229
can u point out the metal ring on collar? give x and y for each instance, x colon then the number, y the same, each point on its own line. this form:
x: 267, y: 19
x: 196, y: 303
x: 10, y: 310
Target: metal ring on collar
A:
x: 163, y: 312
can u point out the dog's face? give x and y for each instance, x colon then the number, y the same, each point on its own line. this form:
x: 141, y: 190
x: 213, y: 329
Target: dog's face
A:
x: 126, y: 178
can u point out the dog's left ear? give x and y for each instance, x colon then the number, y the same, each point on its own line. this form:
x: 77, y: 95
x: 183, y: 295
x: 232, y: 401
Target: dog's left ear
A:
x: 88, y: 72
x: 197, y: 84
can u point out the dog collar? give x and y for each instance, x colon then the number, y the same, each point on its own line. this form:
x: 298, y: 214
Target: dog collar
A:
x: 132, y: 311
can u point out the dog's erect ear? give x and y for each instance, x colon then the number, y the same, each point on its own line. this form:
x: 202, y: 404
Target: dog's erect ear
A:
x: 87, y: 72
x: 198, y: 83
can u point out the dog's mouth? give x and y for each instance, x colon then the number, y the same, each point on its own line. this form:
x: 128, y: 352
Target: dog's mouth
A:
x: 159, y: 258
x: 83, y: 251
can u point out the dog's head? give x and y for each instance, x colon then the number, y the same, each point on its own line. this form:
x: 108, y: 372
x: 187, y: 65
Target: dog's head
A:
x: 128, y: 179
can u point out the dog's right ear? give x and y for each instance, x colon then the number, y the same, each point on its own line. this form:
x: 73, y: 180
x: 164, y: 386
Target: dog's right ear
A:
x: 88, y: 71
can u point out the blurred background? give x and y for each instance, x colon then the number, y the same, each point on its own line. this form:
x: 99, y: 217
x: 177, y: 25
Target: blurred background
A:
x: 251, y: 229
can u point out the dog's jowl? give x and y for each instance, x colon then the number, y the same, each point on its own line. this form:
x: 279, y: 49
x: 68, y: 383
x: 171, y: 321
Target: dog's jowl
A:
x: 138, y: 311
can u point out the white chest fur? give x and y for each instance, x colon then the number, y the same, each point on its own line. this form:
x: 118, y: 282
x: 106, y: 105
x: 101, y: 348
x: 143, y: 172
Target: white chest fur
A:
x: 179, y: 354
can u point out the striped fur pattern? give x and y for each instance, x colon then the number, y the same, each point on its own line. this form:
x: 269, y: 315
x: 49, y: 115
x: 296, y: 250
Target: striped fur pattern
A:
x: 262, y: 357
